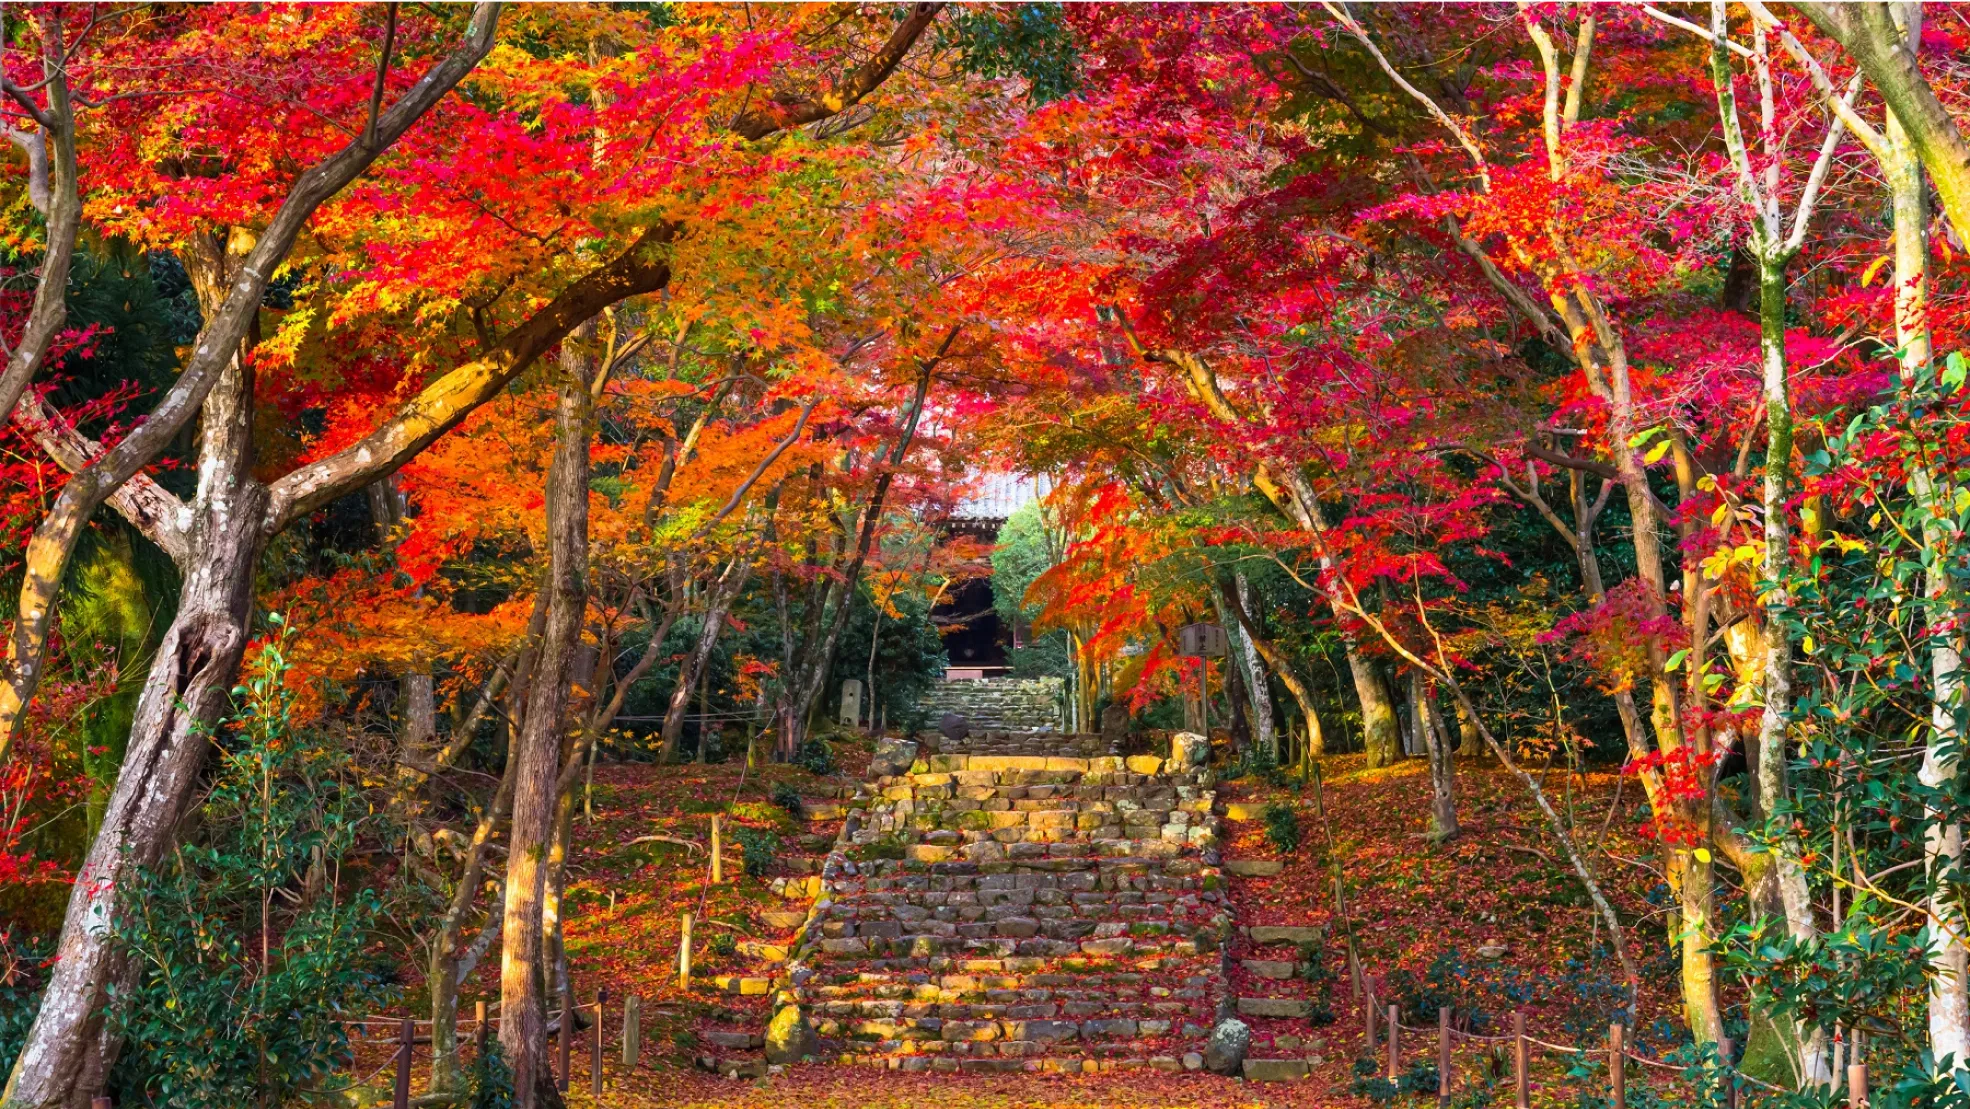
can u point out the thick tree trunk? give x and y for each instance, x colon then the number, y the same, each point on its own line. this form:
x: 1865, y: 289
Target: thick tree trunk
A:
x: 523, y: 1021
x: 1381, y: 732
x: 1929, y: 132
x: 186, y: 692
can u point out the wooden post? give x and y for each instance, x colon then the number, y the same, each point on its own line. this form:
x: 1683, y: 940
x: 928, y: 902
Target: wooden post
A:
x: 1520, y: 1079
x: 1368, y: 1027
x: 632, y: 1030
x: 1443, y: 1054
x: 717, y: 856
x: 406, y: 1037
x: 481, y: 1032
x: 595, y: 1044
x: 684, y: 955
x: 1857, y: 1085
x: 99, y: 1103
x: 1395, y: 1043
x: 1617, y: 1065
x: 567, y: 1033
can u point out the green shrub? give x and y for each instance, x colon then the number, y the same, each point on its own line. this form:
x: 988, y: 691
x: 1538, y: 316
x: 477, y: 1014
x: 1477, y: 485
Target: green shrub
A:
x: 249, y: 956
x: 1256, y: 762
x: 787, y: 797
x: 815, y: 757
x: 1319, y: 978
x: 491, y: 1079
x: 1420, y: 1078
x: 20, y: 998
x: 1282, y: 827
x: 722, y: 945
x: 758, y: 848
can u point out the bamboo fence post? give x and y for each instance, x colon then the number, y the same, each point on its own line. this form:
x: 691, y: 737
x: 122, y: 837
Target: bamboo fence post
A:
x: 632, y: 1030
x: 717, y: 855
x: 1443, y: 1054
x: 479, y: 1033
x: 567, y: 1032
x: 1520, y: 1079
x: 1368, y: 1026
x: 1857, y: 1085
x: 595, y: 1043
x: 684, y: 955
x: 406, y: 1036
x: 1617, y: 1065
x: 1395, y: 1043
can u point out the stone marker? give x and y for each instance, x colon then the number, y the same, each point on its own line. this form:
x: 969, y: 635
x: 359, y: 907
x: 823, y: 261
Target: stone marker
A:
x: 851, y: 703
x: 1114, y: 725
x: 953, y: 727
x: 1224, y: 1053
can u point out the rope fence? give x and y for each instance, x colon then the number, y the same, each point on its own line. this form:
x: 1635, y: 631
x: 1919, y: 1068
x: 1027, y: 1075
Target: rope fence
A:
x: 407, y: 1040
x: 1389, y: 1036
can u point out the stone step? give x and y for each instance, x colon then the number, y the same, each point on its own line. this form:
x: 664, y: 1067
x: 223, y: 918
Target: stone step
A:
x: 1281, y: 1007
x: 1046, y: 906
x: 1091, y: 1060
x: 1253, y: 868
x: 1264, y: 934
x: 1276, y: 1070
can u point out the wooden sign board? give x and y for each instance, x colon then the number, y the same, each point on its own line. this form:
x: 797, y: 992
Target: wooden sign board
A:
x: 1202, y: 641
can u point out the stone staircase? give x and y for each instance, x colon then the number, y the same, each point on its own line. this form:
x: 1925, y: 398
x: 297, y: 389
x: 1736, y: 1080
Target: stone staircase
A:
x: 1027, y: 911
x: 1029, y: 705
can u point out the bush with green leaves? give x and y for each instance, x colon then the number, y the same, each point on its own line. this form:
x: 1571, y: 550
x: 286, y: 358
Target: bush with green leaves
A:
x: 248, y: 955
x: 815, y: 757
x: 20, y: 993
x: 1282, y: 827
x: 758, y: 849
x: 785, y: 796
x: 1420, y: 1078
x: 1319, y: 978
x: 1256, y: 762
x: 491, y: 1079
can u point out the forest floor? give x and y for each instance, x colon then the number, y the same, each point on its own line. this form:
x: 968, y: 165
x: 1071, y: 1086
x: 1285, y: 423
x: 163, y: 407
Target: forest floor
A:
x: 1492, y: 920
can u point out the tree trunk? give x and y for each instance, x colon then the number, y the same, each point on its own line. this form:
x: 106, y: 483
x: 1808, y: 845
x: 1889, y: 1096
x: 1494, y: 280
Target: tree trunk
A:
x: 186, y: 692
x: 1887, y: 55
x: 1381, y: 732
x: 448, y: 963
x: 726, y: 591
x: 523, y: 1024
x: 1942, y: 842
x: 1443, y: 767
x: 1255, y: 678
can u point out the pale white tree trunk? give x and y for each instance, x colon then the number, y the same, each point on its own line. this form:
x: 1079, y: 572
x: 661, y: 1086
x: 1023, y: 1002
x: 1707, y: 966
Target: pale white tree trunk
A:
x: 1255, y: 677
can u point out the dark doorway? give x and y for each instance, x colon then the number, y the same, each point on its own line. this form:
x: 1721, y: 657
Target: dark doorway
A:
x: 970, y: 626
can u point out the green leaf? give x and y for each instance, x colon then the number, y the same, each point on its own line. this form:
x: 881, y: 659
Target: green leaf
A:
x: 1676, y: 661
